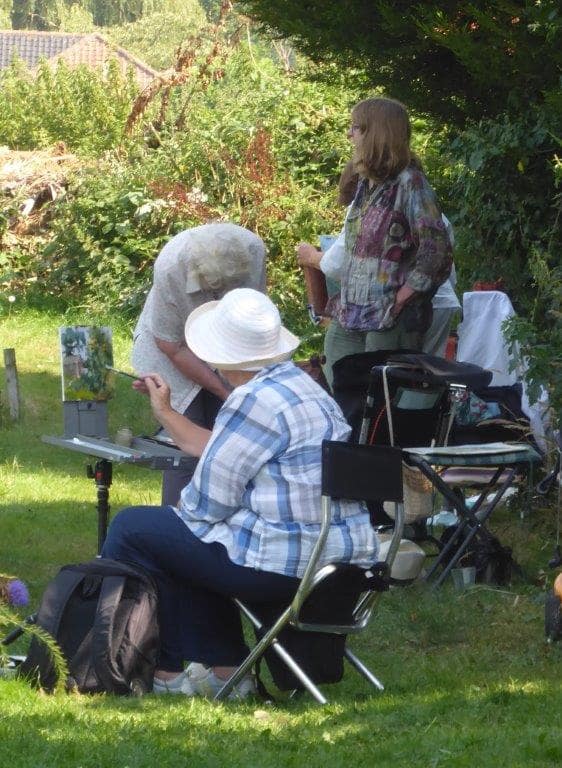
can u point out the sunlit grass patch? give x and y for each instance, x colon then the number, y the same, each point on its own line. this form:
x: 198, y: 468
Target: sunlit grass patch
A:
x: 469, y: 680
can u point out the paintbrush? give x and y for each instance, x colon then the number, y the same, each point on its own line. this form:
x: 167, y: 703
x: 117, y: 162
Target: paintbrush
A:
x: 122, y: 373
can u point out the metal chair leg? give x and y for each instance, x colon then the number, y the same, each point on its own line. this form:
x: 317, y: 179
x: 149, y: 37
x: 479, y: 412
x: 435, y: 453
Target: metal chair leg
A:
x: 362, y: 669
x: 256, y: 653
x: 269, y: 640
x: 299, y: 673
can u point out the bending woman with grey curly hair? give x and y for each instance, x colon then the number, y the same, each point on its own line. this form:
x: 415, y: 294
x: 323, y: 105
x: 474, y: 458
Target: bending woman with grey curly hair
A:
x: 196, y: 266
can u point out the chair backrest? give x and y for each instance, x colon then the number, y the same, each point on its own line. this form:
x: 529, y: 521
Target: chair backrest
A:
x: 404, y: 407
x: 351, y: 376
x: 354, y: 378
x: 361, y: 472
x: 420, y: 390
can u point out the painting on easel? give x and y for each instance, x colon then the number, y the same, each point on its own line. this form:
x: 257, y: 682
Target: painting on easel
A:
x: 86, y: 353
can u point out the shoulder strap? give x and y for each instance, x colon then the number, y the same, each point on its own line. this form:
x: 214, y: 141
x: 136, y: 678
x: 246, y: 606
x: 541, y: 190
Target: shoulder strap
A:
x: 55, y: 599
x: 38, y: 663
x: 102, y: 644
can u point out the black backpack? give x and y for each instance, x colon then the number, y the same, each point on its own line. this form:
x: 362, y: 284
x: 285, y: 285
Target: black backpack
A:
x: 494, y: 562
x: 103, y: 616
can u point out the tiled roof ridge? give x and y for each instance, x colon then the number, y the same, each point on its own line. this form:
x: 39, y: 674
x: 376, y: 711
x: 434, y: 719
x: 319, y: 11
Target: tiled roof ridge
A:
x: 126, y: 54
x: 76, y: 38
x: 41, y: 33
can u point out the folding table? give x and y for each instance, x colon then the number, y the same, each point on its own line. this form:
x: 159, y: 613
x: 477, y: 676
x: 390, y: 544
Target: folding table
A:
x: 500, y: 463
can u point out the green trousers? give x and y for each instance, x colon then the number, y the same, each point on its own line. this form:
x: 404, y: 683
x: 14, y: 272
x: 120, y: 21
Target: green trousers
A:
x: 339, y: 342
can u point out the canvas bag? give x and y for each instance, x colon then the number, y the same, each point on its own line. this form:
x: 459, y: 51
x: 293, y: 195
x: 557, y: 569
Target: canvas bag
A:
x: 320, y: 654
x: 103, y: 616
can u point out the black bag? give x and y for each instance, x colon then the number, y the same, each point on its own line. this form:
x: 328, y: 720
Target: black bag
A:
x: 320, y: 654
x: 103, y: 616
x: 494, y: 563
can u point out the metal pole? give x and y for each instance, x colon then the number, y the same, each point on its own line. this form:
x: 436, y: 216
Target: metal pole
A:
x: 102, y: 475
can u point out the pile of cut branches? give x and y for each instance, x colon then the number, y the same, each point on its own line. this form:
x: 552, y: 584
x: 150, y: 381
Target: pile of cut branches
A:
x: 29, y: 181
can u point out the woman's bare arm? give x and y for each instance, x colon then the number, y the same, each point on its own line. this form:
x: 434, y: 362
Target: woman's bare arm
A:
x: 190, y: 437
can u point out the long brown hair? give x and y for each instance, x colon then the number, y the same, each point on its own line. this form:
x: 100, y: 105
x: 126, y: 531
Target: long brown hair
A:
x: 347, y: 184
x: 383, y: 149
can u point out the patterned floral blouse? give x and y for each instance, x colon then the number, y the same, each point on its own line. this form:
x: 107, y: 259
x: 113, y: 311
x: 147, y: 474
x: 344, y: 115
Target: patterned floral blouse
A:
x: 394, y: 235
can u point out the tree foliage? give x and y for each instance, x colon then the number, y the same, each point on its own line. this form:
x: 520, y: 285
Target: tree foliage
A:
x: 450, y: 59
x: 507, y: 206
x: 5, y: 9
x: 50, y: 14
x: 155, y: 37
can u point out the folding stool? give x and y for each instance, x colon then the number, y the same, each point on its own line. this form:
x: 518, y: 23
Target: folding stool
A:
x: 349, y: 471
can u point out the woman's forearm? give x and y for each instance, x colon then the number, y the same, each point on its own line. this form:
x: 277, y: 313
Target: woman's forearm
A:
x: 193, y: 368
x: 188, y: 436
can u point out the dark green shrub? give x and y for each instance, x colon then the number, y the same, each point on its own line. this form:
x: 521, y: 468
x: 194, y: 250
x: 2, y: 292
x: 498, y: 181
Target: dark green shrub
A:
x: 539, y: 334
x: 503, y: 184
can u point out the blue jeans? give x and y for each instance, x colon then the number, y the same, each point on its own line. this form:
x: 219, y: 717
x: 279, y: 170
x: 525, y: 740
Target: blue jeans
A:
x: 196, y: 583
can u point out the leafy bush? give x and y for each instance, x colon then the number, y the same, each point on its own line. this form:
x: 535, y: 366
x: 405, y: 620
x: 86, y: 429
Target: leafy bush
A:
x: 253, y: 148
x: 540, y: 334
x: 504, y: 186
x: 541, y: 341
x: 83, y: 108
x: 106, y: 231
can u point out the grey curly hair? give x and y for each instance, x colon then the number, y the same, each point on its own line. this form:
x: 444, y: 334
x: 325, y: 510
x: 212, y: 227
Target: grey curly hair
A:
x: 222, y: 256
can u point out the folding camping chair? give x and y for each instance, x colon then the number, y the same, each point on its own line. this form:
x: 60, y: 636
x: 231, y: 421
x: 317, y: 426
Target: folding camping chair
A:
x: 502, y: 462
x: 357, y: 472
x: 411, y: 402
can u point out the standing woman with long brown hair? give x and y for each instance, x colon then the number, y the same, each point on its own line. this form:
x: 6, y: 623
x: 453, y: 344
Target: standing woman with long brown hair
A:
x: 397, y: 251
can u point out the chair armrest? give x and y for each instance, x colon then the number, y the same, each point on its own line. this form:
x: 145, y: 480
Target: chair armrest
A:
x: 307, y: 580
x: 399, y: 521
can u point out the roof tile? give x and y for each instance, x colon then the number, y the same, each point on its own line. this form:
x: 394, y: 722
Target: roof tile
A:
x: 75, y: 49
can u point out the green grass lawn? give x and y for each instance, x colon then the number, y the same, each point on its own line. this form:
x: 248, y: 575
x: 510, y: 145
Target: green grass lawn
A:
x: 469, y: 679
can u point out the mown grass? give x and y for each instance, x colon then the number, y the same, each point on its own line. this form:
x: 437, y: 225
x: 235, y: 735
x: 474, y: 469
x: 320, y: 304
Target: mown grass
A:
x: 469, y: 679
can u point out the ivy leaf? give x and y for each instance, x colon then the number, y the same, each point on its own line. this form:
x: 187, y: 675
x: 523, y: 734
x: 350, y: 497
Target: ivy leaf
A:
x: 476, y: 160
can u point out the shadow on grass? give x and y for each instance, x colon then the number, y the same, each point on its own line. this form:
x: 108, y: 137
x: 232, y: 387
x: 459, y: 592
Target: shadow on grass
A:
x: 469, y: 681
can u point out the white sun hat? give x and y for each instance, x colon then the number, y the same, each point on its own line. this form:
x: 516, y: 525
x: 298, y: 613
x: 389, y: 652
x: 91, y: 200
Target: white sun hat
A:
x: 242, y: 331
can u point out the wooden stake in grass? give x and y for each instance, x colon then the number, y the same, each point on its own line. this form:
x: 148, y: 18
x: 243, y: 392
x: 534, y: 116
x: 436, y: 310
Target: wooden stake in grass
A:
x: 12, y: 384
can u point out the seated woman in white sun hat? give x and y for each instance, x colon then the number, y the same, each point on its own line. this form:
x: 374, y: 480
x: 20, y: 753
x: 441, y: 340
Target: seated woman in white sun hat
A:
x: 246, y: 523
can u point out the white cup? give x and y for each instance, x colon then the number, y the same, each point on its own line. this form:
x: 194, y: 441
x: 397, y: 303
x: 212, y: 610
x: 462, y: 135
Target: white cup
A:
x: 124, y: 436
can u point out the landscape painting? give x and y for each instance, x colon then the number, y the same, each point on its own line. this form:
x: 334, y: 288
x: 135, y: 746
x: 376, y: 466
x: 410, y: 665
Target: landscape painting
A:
x: 86, y: 353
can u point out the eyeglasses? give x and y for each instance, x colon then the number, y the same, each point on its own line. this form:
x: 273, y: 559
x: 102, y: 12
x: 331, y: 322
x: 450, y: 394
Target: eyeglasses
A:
x: 353, y: 128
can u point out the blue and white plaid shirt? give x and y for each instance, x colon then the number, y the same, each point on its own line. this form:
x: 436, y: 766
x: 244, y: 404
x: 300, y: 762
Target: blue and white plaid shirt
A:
x: 256, y: 489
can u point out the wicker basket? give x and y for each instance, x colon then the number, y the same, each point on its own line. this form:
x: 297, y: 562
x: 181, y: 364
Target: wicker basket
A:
x: 418, y: 496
